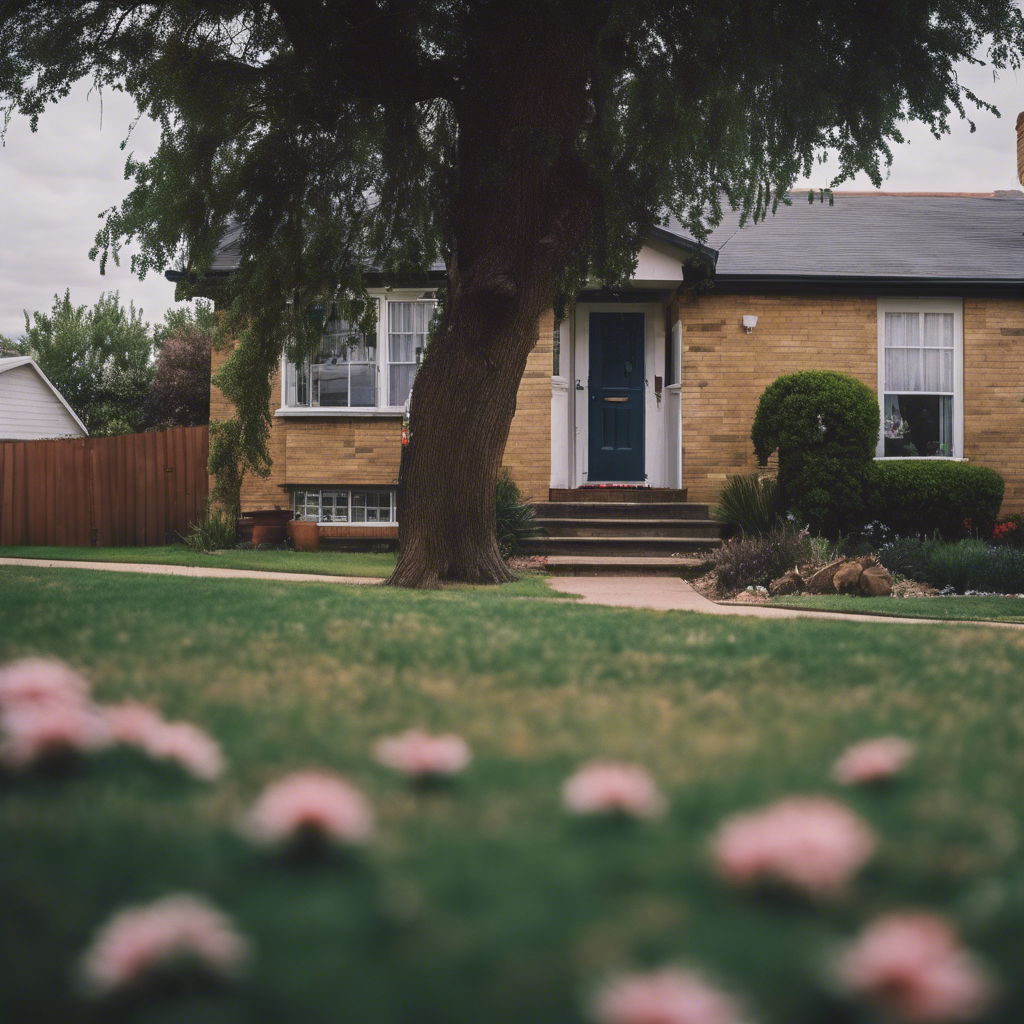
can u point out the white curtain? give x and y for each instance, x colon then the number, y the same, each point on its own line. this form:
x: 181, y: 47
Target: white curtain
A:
x: 919, y: 353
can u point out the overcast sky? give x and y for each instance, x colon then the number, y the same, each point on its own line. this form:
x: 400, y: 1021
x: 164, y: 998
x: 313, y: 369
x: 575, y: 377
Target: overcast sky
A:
x: 54, y: 183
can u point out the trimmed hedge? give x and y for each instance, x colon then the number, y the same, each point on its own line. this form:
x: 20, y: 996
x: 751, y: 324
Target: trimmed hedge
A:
x: 922, y: 497
x: 825, y: 428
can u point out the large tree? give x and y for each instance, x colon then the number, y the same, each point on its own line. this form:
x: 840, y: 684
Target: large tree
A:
x: 531, y: 144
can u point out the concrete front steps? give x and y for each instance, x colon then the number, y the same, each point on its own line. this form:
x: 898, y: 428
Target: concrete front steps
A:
x: 623, y: 531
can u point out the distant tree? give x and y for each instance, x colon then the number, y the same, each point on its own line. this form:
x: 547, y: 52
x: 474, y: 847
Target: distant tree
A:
x: 99, y: 359
x: 180, y: 392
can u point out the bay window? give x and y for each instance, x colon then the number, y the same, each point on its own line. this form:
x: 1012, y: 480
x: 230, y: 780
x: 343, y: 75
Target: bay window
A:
x: 920, y: 378
x: 357, y: 374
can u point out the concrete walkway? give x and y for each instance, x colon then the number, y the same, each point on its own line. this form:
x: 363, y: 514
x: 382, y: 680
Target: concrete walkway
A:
x: 666, y: 593
x: 190, y: 570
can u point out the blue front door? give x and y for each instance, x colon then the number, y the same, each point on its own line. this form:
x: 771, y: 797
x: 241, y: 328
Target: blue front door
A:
x: 616, y: 422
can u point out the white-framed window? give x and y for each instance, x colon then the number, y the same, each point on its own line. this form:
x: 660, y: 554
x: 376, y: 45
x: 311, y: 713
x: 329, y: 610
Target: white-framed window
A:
x: 357, y: 506
x: 920, y: 378
x: 354, y: 374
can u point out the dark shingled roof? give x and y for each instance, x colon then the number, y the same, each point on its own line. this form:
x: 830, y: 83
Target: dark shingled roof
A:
x: 926, y: 235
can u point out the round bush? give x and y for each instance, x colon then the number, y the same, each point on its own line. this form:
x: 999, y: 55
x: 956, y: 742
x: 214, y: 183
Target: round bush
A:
x: 824, y: 426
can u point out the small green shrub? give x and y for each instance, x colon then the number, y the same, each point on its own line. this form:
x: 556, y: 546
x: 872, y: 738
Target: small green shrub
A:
x: 922, y: 497
x: 824, y: 426
x: 214, y: 532
x: 756, y: 561
x: 973, y: 565
x: 907, y: 556
x: 515, y: 517
x: 748, y: 504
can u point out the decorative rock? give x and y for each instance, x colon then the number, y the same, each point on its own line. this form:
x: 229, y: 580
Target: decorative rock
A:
x: 876, y: 582
x: 820, y: 582
x: 791, y: 583
x: 847, y: 578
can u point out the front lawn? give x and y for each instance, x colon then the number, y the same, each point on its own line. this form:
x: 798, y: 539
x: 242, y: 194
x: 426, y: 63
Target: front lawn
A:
x: 486, y: 902
x: 327, y: 563
x: 979, y: 609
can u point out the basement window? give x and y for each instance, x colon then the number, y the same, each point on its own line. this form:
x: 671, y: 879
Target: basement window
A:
x: 349, y: 506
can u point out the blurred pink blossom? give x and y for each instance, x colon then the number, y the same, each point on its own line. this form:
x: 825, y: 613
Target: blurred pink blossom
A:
x: 132, y: 722
x: 39, y: 681
x: 41, y: 732
x: 810, y: 843
x: 139, y: 940
x: 418, y: 754
x: 668, y: 996
x: 191, y: 747
x: 873, y: 760
x: 912, y: 966
x: 604, y: 787
x: 311, y: 802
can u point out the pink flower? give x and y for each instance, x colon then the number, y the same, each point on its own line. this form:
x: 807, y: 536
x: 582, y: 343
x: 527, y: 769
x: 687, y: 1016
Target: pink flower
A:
x: 606, y: 787
x: 668, y: 996
x: 419, y: 755
x: 195, y: 750
x: 912, y: 966
x: 45, y: 731
x: 317, y: 803
x: 132, y: 722
x: 39, y: 681
x: 810, y: 843
x: 873, y: 761
x: 138, y: 941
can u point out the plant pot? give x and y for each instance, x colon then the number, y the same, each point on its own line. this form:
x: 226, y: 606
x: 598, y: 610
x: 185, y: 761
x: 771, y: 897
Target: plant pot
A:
x: 272, y: 517
x: 268, y: 535
x: 305, y: 536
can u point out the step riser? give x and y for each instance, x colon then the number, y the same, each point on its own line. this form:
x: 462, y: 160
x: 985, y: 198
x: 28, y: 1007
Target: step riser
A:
x: 609, y: 546
x: 613, y: 495
x: 596, y: 510
x: 625, y: 528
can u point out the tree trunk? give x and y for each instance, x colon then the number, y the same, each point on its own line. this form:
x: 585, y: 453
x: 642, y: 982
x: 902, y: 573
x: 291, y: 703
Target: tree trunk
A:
x: 522, y: 208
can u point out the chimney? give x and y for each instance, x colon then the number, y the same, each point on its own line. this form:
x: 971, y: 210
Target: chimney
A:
x: 1020, y: 147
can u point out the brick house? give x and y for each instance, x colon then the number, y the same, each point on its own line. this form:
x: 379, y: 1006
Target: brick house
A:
x: 920, y: 295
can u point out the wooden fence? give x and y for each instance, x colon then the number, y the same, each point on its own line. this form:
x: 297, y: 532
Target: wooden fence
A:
x: 137, y: 489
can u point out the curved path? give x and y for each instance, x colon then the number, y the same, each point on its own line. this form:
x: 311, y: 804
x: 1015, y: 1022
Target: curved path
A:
x: 657, y: 593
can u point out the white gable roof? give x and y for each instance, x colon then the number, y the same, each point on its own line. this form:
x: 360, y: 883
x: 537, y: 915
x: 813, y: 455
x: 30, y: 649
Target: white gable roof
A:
x: 31, y: 408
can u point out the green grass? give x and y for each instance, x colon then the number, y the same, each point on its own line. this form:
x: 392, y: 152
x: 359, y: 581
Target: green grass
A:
x: 977, y: 609
x: 486, y: 903
x: 327, y: 563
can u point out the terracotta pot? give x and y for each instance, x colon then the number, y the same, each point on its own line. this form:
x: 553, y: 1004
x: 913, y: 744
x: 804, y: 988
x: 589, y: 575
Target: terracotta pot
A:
x: 305, y: 536
x: 268, y: 535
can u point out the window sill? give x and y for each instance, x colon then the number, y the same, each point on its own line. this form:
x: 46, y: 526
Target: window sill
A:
x: 396, y: 412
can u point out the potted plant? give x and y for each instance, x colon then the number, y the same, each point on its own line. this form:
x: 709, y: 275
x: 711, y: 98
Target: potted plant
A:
x: 304, y: 534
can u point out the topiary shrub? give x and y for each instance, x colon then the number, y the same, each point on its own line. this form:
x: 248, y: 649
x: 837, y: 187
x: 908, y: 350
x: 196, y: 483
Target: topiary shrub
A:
x: 957, y: 499
x: 749, y: 505
x: 824, y: 425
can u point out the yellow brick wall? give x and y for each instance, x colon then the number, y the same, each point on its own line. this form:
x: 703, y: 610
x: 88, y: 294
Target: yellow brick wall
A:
x: 528, y: 451
x: 725, y: 370
x: 993, y: 389
x: 348, y: 451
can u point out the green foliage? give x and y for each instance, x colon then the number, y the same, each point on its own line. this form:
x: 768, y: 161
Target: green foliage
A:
x: 225, y: 465
x: 180, y: 392
x: 915, y: 497
x: 748, y: 504
x: 974, y: 565
x: 99, y: 359
x: 756, y: 560
x: 824, y: 425
x: 624, y: 117
x: 907, y: 556
x: 515, y: 517
x: 215, y: 531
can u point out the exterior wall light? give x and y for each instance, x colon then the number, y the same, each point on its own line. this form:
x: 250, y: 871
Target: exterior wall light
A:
x: 749, y: 323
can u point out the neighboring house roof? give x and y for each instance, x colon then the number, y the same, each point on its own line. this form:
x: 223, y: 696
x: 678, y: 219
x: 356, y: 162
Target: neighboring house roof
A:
x: 31, y: 408
x: 922, y: 240
x: 942, y: 238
